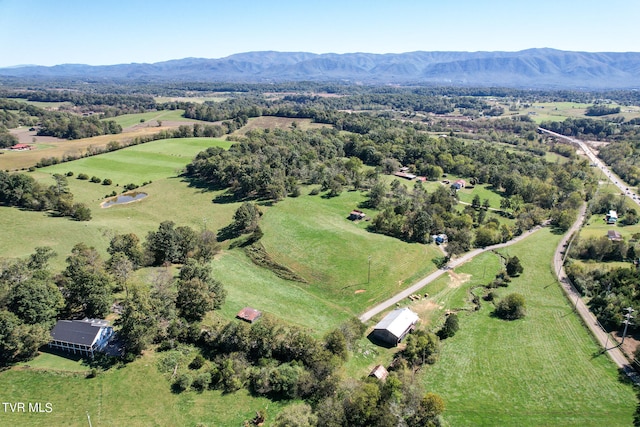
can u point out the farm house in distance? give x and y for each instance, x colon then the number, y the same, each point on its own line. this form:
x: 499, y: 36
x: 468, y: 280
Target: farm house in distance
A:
x: 395, y: 326
x: 612, y: 217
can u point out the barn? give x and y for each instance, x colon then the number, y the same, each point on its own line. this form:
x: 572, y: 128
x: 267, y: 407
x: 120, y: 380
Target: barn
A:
x: 395, y: 326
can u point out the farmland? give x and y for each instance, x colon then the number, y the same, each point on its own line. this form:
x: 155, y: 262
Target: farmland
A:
x: 544, y: 369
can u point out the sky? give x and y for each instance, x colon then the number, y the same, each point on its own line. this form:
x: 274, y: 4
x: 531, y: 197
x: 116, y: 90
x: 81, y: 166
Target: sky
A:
x: 94, y: 32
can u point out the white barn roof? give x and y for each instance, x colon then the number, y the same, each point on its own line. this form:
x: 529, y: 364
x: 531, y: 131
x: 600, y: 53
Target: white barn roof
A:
x: 398, y: 321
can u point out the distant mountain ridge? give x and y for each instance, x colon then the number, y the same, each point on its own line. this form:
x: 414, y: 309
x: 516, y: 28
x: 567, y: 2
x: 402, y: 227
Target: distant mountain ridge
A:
x: 531, y: 68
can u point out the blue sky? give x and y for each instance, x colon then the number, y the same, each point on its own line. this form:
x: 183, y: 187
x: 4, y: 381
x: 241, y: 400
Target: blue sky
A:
x: 49, y: 32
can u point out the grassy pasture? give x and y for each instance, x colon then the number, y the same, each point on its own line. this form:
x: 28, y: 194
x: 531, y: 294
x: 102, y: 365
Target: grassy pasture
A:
x: 45, y: 105
x: 128, y: 120
x: 137, y: 395
x: 559, y: 111
x: 313, y: 236
x: 542, y: 370
x: 270, y: 122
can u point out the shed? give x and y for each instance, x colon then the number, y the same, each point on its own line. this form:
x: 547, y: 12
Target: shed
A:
x: 21, y: 147
x: 356, y: 214
x: 405, y: 175
x: 249, y: 314
x: 614, y: 236
x: 459, y: 184
x: 395, y: 326
x: 83, y: 337
x: 379, y: 372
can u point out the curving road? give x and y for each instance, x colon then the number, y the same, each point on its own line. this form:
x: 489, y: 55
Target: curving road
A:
x: 610, y: 346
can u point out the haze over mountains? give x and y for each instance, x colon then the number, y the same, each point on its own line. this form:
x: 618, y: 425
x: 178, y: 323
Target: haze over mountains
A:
x: 532, y: 68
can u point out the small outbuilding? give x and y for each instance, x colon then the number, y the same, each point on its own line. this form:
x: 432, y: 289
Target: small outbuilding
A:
x: 84, y: 337
x: 459, y: 184
x: 379, y: 372
x: 405, y: 175
x: 614, y: 236
x: 249, y: 314
x: 356, y: 215
x: 395, y: 326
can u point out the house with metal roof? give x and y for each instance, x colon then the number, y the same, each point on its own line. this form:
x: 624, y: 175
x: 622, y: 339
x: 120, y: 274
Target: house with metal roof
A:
x: 395, y: 326
x: 84, y: 337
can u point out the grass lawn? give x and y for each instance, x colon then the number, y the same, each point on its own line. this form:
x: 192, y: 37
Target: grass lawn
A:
x: 136, y: 395
x: 128, y: 120
x: 312, y: 236
x: 541, y: 370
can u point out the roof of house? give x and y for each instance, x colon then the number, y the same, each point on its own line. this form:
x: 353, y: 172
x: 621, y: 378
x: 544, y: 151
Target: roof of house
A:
x: 405, y: 175
x: 613, y: 214
x: 20, y: 146
x: 82, y: 332
x: 398, y: 321
x: 249, y: 314
x: 380, y: 372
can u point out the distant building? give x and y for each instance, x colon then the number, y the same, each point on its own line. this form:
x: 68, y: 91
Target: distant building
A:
x: 405, y: 175
x: 379, y: 372
x: 395, y: 326
x: 611, y: 217
x: 249, y: 314
x: 21, y: 147
x: 614, y: 236
x: 84, y: 337
x: 439, y: 239
x: 459, y: 184
x: 355, y: 215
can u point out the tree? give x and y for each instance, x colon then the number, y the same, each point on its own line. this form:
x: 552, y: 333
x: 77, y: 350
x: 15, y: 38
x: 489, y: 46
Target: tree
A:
x: 422, y: 347
x: 163, y: 245
x: 138, y: 325
x: 121, y: 268
x: 511, y: 307
x: 245, y: 219
x: 430, y: 407
x: 19, y: 341
x: 198, y: 291
x: 128, y: 244
x: 87, y: 288
x: 36, y: 301
x: 296, y: 415
x: 81, y: 212
x: 336, y: 343
x: 450, y: 326
x: 514, y: 268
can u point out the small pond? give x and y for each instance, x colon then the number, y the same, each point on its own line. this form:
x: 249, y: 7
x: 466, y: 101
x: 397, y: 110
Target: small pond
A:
x: 122, y: 199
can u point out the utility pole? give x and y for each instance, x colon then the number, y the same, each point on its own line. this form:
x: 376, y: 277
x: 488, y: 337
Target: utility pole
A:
x: 369, y: 272
x: 626, y: 322
x: 89, y: 419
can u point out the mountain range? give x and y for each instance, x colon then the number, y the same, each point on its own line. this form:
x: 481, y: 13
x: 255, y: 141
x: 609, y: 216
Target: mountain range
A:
x: 531, y: 68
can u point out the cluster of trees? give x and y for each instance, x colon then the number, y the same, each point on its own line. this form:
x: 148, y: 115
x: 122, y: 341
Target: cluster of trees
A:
x: 610, y: 291
x: 601, y: 110
x: 272, y: 164
x: 22, y: 191
x: 29, y: 304
x: 72, y: 126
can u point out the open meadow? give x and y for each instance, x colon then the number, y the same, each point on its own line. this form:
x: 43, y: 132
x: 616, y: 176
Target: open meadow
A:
x: 545, y: 369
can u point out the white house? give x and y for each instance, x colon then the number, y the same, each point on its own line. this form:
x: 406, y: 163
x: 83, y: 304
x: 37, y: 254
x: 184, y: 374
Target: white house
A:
x: 81, y: 336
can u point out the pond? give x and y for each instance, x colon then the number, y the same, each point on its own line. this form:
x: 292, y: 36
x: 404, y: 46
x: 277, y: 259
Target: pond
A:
x: 122, y: 199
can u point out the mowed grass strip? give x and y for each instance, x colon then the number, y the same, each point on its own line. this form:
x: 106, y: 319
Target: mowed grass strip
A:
x: 542, y: 370
x: 139, y: 163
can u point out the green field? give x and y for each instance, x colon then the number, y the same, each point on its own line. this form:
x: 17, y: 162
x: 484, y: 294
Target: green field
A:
x: 137, y: 395
x: 128, y: 120
x: 543, y: 370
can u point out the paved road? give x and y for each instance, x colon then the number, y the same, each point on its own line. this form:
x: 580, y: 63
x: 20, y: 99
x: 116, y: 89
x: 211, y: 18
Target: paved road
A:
x: 624, y: 188
x: 610, y: 346
x: 607, y: 343
x: 433, y: 276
